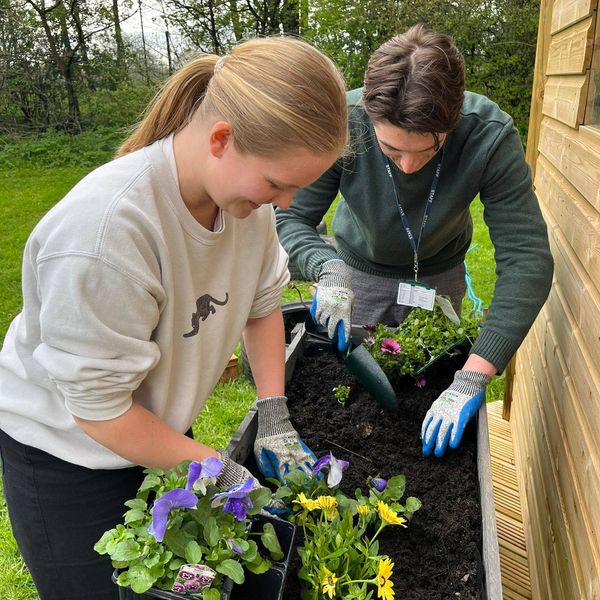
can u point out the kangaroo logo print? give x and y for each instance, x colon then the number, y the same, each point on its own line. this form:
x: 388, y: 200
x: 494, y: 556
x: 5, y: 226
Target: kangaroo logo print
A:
x: 205, y: 306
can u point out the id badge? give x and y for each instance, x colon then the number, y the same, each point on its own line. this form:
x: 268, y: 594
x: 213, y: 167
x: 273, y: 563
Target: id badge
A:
x: 415, y: 294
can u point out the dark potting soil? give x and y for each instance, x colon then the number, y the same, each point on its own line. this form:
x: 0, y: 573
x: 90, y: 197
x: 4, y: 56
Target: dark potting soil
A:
x: 438, y: 555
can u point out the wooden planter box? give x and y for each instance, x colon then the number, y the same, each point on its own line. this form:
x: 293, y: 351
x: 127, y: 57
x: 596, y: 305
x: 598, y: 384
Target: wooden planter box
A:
x: 241, y: 450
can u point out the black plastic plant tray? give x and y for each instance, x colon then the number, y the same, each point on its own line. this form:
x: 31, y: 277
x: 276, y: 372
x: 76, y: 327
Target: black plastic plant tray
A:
x: 268, y: 586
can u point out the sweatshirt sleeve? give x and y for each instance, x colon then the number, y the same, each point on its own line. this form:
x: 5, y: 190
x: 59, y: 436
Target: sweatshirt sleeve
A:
x: 96, y: 324
x: 297, y: 225
x: 274, y: 273
x: 524, y: 264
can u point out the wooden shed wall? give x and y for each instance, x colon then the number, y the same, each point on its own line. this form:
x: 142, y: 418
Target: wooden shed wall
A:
x: 555, y: 408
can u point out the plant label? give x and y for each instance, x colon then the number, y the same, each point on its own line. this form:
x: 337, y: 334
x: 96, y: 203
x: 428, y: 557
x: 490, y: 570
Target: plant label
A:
x: 414, y: 294
x: 448, y: 309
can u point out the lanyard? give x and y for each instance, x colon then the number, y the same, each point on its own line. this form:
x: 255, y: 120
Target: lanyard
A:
x: 436, y: 177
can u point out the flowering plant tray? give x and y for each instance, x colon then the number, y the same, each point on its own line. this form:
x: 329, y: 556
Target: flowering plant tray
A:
x: 268, y: 586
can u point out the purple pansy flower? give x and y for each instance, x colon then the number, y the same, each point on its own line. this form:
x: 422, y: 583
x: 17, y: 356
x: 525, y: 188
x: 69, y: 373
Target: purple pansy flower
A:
x: 209, y: 469
x: 390, y: 346
x: 369, y: 327
x: 236, y: 499
x: 176, y: 498
x: 379, y: 483
x: 420, y: 382
x: 336, y: 468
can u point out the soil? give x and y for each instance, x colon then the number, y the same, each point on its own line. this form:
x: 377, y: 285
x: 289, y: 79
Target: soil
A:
x: 438, y: 556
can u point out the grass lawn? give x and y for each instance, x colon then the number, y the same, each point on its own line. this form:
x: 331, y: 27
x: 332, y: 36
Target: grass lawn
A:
x: 25, y: 195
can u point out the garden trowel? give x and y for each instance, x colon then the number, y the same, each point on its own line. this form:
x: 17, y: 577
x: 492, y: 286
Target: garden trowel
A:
x: 360, y: 363
x: 367, y: 370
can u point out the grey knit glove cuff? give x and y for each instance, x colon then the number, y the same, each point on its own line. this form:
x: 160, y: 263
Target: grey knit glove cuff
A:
x: 273, y: 417
x: 469, y: 383
x: 335, y: 273
x: 232, y: 473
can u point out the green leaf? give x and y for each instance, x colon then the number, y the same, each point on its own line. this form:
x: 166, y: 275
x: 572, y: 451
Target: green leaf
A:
x: 177, y: 541
x: 140, y: 579
x: 151, y: 482
x: 134, y: 516
x: 232, y: 569
x: 251, y: 553
x: 259, y: 565
x: 193, y: 554
x: 107, y: 536
x: 211, y: 532
x: 211, y: 594
x: 336, y: 554
x: 395, y: 487
x: 270, y: 541
x: 137, y: 503
x: 304, y: 575
x: 413, y: 504
x: 283, y: 492
x: 125, y: 550
x: 260, y: 497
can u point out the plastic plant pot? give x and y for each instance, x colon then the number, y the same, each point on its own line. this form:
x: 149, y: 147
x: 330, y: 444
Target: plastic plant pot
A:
x: 267, y: 586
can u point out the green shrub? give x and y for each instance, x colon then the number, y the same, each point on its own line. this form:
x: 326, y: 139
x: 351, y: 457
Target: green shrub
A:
x: 56, y: 149
x: 119, y: 108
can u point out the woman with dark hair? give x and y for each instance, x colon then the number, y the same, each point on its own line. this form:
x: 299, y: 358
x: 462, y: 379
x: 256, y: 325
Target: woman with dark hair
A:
x: 422, y: 150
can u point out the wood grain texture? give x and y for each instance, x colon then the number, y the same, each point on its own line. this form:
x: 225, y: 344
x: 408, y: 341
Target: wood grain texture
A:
x: 569, y: 12
x: 576, y: 155
x: 570, y: 51
x: 565, y: 98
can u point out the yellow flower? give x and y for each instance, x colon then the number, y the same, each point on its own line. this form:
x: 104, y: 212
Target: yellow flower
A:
x: 306, y: 503
x: 329, y: 506
x: 388, y: 515
x: 384, y: 584
x: 363, y: 510
x: 328, y: 582
x: 327, y: 502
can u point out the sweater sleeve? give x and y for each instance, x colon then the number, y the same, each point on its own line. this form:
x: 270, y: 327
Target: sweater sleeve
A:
x: 96, y: 325
x: 524, y: 264
x: 297, y: 225
x: 274, y: 273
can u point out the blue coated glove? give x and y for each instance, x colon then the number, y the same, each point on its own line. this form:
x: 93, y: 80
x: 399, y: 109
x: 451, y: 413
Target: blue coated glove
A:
x: 445, y: 421
x: 278, y: 448
x: 332, y: 304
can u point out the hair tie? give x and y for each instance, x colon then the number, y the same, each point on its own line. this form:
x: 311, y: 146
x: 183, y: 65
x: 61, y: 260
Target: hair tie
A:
x: 219, y: 64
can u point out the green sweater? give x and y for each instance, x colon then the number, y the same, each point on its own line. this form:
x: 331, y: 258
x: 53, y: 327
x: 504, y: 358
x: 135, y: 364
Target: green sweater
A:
x: 484, y: 156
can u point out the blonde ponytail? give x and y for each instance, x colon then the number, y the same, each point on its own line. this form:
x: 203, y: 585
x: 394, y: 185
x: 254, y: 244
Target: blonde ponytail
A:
x: 276, y: 93
x: 174, y: 104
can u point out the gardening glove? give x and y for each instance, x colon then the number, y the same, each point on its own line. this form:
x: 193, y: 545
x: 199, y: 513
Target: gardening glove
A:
x: 332, y: 304
x: 278, y: 448
x: 445, y: 421
x: 234, y: 473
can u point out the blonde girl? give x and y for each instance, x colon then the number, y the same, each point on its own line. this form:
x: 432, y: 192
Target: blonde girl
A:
x: 136, y: 288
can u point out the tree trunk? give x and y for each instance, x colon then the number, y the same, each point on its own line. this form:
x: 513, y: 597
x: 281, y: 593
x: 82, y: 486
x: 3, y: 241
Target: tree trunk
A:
x: 119, y: 39
x: 82, y: 43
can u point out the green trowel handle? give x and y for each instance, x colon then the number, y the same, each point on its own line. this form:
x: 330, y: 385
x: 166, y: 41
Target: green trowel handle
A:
x: 366, y: 369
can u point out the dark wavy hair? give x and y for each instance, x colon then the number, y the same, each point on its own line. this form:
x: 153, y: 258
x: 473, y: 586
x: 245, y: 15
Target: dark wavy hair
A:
x: 416, y: 81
